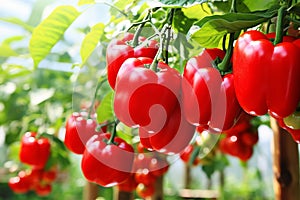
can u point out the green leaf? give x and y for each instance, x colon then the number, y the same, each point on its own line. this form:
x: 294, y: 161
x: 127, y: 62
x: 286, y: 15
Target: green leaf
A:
x: 59, y: 154
x: 225, y: 6
x: 83, y: 2
x: 7, y: 51
x: 18, y: 22
x: 13, y: 39
x: 90, y: 41
x: 40, y: 95
x: 182, y: 2
x: 50, y: 31
x: 105, y: 109
x: 181, y: 23
x: 260, y: 4
x: 295, y: 9
x: 214, y: 28
x: 197, y: 11
x: 120, y: 6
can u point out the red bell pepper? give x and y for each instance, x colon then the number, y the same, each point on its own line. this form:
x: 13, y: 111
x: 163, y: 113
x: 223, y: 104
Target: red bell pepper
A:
x: 118, y: 50
x: 208, y: 98
x: 34, y: 151
x: 107, y: 164
x: 79, y: 130
x: 144, y: 97
x: 173, y: 138
x: 267, y: 76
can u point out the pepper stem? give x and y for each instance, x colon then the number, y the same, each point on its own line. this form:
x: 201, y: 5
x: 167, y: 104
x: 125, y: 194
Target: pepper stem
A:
x: 279, y: 24
x: 224, y: 65
x: 113, y: 134
x: 99, y: 84
x: 139, y: 29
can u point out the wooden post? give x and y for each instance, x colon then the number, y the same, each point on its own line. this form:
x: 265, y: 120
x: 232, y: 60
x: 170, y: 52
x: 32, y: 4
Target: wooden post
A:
x: 91, y: 191
x: 121, y: 195
x: 158, y: 187
x: 187, y: 177
x: 285, y: 164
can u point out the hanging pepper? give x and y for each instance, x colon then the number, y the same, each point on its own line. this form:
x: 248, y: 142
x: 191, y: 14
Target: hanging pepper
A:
x: 267, y: 76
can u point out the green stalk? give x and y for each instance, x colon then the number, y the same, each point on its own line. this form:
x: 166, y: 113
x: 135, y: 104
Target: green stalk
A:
x: 223, y: 66
x: 233, y: 7
x: 99, y: 84
x: 139, y: 29
x: 279, y: 24
x: 113, y: 134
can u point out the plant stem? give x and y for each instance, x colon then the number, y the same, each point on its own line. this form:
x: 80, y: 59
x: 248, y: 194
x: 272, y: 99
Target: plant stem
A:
x: 233, y: 7
x: 279, y: 24
x: 113, y: 6
x: 223, y: 66
x: 99, y: 84
x: 139, y: 29
x: 114, y: 133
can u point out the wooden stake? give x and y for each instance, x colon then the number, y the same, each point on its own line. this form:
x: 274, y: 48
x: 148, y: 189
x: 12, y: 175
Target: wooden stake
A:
x: 187, y: 177
x: 121, y: 195
x: 91, y: 191
x: 285, y: 164
x: 158, y: 187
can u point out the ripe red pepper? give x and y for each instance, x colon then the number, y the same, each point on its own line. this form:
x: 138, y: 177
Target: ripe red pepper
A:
x: 79, y: 130
x: 172, y: 138
x: 34, y: 151
x: 266, y: 75
x: 144, y: 97
x: 19, y: 184
x: 185, y: 155
x: 209, y: 99
x: 119, y: 50
x: 107, y: 164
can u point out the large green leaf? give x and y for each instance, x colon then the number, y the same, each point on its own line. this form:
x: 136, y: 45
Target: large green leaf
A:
x: 214, y: 28
x: 83, y: 2
x: 260, y: 4
x: 197, y: 11
x: 182, y: 2
x: 181, y: 23
x: 18, y: 22
x: 7, y: 51
x: 105, y: 109
x: 50, y: 31
x: 90, y: 41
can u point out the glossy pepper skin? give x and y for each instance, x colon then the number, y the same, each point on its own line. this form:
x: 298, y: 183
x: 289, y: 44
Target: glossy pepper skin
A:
x: 107, y: 164
x: 34, y: 151
x: 267, y: 76
x: 209, y: 99
x: 79, y: 129
x: 144, y: 97
x: 118, y: 50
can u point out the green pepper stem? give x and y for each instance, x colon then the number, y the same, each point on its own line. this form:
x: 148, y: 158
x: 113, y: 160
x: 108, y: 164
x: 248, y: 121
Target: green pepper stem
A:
x: 223, y: 66
x: 194, y: 154
x: 279, y: 24
x: 233, y: 7
x: 113, y: 134
x: 139, y: 29
x: 99, y: 84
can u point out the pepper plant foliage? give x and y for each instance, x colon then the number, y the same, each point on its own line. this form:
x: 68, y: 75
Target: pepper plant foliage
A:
x: 196, y: 24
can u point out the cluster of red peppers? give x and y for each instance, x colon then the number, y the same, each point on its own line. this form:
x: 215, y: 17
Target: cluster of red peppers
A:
x: 109, y: 160
x: 147, y: 168
x: 34, y: 152
x: 240, y: 139
x: 167, y: 107
x: 267, y: 76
